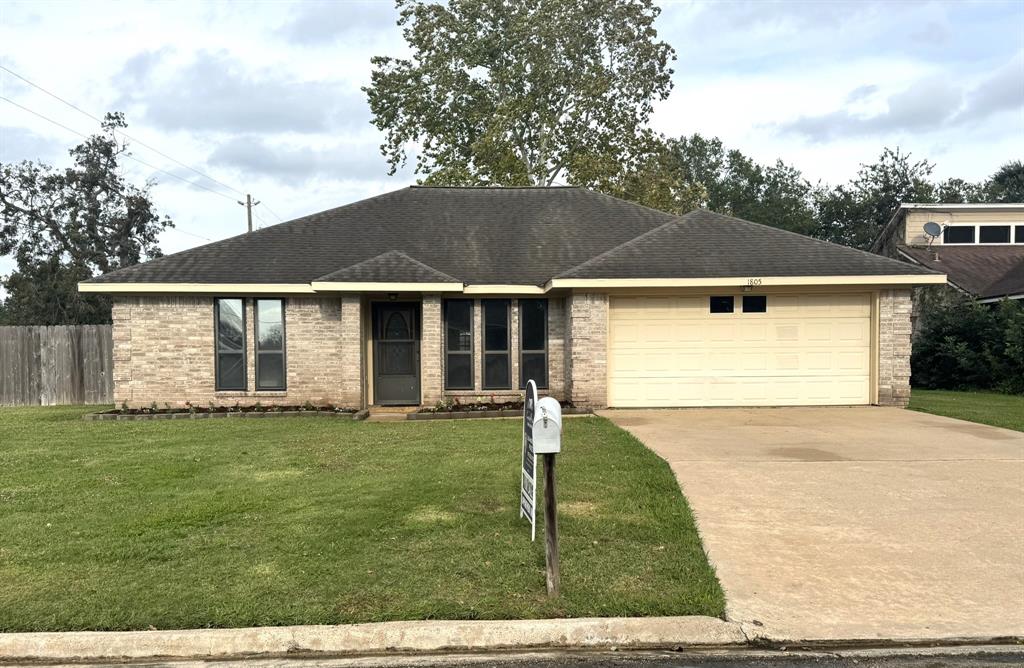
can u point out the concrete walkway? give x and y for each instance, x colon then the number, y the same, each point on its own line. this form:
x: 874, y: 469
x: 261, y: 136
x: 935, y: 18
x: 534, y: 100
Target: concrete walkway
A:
x: 852, y: 523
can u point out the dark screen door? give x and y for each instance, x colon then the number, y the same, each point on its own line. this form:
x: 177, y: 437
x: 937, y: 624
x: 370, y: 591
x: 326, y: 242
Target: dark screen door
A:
x: 396, y: 353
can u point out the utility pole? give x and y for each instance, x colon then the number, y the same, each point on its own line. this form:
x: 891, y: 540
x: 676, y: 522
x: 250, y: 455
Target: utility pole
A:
x: 249, y: 204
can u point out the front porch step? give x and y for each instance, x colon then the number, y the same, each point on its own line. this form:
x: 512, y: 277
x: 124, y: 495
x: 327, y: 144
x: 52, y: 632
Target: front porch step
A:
x: 389, y: 413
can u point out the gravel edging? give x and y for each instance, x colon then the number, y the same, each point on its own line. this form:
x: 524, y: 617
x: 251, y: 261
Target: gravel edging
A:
x: 465, y: 415
x: 375, y: 638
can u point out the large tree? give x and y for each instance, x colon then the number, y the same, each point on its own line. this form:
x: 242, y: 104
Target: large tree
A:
x: 1007, y: 184
x: 62, y: 226
x: 529, y: 92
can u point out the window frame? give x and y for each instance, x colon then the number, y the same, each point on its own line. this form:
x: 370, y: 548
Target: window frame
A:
x: 545, y: 351
x: 465, y: 353
x: 732, y: 308
x: 1016, y: 237
x: 743, y: 303
x: 1007, y: 227
x: 284, y: 345
x: 485, y: 353
x: 217, y: 386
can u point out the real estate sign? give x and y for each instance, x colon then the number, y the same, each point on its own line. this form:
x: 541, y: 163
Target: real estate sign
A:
x: 528, y: 490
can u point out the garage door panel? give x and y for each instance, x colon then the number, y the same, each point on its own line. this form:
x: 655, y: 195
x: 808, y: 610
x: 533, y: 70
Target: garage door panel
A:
x: 805, y: 350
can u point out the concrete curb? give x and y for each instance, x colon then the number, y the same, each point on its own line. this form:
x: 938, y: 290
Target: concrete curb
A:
x: 379, y: 638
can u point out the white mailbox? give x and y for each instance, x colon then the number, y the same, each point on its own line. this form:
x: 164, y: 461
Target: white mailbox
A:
x: 547, y: 427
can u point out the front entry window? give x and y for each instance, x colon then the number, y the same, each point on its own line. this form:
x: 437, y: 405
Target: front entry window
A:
x: 497, y: 371
x: 270, y: 347
x: 533, y: 338
x: 458, y: 344
x: 229, y: 321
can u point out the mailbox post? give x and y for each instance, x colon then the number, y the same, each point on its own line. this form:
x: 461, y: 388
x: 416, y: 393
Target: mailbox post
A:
x: 547, y: 441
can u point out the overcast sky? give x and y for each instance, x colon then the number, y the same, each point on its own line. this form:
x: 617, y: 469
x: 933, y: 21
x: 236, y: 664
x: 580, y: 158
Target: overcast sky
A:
x: 264, y: 96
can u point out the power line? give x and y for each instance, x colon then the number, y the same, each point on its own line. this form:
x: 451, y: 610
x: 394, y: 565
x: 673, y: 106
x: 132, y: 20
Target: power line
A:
x: 125, y: 134
x: 72, y: 130
x: 127, y: 155
x: 279, y: 218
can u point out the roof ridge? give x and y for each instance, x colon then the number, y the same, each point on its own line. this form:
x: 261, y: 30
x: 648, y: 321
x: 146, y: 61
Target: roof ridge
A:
x: 393, y: 251
x: 601, y: 256
x: 805, y: 236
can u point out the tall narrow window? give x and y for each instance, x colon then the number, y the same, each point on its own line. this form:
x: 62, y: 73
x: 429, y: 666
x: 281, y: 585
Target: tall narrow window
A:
x: 270, y: 359
x: 458, y: 343
x: 229, y: 325
x: 497, y: 373
x: 533, y: 342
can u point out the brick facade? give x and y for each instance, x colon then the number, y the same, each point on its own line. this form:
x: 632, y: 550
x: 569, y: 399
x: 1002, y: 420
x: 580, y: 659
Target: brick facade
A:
x: 586, y: 365
x: 894, y: 341
x: 164, y: 353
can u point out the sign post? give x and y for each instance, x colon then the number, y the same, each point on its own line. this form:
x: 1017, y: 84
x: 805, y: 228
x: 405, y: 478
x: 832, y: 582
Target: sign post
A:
x: 528, y: 487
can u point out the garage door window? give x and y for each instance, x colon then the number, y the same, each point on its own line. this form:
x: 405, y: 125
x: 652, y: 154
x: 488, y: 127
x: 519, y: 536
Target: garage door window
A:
x: 755, y: 303
x: 722, y: 304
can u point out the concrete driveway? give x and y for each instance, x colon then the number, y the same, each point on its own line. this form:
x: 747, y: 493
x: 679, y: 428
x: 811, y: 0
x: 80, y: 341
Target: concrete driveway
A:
x: 852, y: 523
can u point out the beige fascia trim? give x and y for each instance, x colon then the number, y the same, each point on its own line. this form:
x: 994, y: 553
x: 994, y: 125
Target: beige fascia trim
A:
x: 504, y: 289
x: 746, y: 281
x: 329, y: 286
x: 198, y: 288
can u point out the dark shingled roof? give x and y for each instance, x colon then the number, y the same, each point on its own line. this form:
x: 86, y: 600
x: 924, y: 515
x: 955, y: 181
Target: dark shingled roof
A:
x: 987, y: 272
x: 392, y: 266
x: 703, y: 244
x: 522, y: 236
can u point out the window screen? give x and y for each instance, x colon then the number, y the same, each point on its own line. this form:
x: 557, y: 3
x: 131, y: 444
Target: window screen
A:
x: 994, y: 234
x: 721, y: 304
x: 458, y: 342
x: 270, y: 345
x: 496, y: 373
x: 958, y: 235
x: 229, y: 325
x: 755, y: 303
x: 533, y: 342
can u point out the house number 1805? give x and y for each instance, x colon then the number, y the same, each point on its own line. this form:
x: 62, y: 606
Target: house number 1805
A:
x: 753, y: 281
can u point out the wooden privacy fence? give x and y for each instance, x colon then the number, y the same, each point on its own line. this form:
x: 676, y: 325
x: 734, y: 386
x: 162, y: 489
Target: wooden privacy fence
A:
x: 64, y: 364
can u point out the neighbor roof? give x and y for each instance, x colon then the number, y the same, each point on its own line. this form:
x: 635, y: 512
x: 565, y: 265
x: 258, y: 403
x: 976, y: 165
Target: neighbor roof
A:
x: 988, y: 272
x: 521, y: 236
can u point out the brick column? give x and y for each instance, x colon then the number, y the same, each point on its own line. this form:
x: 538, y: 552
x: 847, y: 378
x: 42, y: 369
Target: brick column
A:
x: 894, y: 334
x: 431, y: 363
x: 351, y: 391
x: 556, y: 347
x: 121, y: 316
x: 587, y: 352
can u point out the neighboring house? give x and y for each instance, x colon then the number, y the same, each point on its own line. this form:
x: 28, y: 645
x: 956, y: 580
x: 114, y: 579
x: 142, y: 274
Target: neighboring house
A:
x: 427, y: 293
x: 980, y: 246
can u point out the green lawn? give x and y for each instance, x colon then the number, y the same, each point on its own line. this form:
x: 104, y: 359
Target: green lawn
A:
x: 1000, y: 410
x: 241, y: 522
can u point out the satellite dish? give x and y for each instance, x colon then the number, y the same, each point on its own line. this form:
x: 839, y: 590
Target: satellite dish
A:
x: 932, y: 229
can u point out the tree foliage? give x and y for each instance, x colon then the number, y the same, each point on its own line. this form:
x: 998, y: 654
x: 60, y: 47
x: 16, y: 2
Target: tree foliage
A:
x: 1007, y: 184
x: 964, y: 345
x: 62, y: 226
x: 522, y: 93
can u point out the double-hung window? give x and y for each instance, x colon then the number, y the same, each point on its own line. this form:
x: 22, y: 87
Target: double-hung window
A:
x: 533, y: 342
x: 497, y: 370
x: 270, y: 345
x: 229, y: 323
x: 458, y: 344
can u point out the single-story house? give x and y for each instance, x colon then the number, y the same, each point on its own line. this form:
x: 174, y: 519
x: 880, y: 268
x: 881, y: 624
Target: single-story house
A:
x: 980, y: 247
x: 427, y: 292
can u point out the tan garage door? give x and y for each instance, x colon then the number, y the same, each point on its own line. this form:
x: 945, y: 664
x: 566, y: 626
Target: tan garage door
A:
x: 803, y: 350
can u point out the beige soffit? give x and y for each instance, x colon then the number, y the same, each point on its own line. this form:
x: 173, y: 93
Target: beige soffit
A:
x: 204, y: 288
x: 331, y: 286
x: 741, y: 281
x: 504, y: 289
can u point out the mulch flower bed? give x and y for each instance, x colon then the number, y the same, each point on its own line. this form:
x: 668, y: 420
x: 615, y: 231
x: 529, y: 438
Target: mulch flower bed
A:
x: 199, y: 412
x: 454, y: 410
